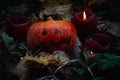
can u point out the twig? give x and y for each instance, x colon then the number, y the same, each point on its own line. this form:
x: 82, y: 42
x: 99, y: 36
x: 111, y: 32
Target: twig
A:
x: 38, y: 50
x: 49, y: 68
x: 65, y: 63
x: 117, y: 57
x: 91, y: 73
x: 26, y: 49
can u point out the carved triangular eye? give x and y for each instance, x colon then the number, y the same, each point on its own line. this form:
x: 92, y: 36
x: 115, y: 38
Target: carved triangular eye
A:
x: 56, y: 31
x: 44, y: 32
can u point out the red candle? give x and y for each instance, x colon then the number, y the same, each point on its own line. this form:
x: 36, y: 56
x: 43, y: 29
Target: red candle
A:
x: 85, y: 23
x: 98, y: 42
x: 17, y: 26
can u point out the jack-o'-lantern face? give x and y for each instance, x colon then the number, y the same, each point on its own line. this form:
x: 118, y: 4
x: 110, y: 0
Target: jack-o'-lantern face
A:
x: 52, y: 35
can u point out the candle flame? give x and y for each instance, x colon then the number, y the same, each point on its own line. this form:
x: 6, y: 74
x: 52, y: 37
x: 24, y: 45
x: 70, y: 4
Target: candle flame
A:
x: 84, y: 16
x: 22, y: 58
x: 91, y: 52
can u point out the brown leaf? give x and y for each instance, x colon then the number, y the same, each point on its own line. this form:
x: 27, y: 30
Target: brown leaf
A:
x: 63, y: 11
x: 41, y: 15
x: 61, y: 55
x: 76, y: 50
x: 113, y: 28
x: 34, y: 18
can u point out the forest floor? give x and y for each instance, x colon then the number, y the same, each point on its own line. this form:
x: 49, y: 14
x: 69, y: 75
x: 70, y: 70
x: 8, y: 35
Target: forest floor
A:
x: 16, y: 62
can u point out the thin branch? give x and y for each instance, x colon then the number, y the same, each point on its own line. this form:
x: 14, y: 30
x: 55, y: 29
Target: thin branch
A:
x: 26, y: 49
x: 91, y: 73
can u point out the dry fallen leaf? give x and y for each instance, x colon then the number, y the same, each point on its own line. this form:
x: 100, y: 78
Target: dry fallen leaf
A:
x: 61, y: 55
x: 76, y: 49
x: 44, y: 58
x: 113, y: 28
x: 63, y: 11
x: 34, y: 18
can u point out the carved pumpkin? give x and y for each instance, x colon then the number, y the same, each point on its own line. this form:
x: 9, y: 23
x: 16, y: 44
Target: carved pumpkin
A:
x: 52, y: 35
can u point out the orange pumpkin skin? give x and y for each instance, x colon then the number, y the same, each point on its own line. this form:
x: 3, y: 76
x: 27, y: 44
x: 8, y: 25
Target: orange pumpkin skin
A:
x: 52, y: 35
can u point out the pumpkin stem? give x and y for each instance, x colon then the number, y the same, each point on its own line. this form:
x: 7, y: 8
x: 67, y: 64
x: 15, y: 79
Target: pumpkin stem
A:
x: 49, y: 18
